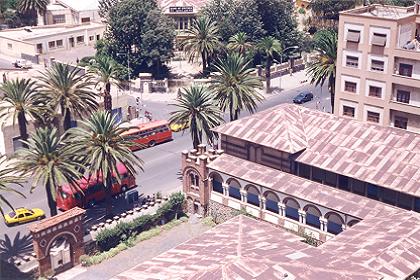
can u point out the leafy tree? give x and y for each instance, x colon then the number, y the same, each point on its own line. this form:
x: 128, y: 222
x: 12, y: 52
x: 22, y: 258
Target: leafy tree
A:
x: 269, y: 47
x: 324, y: 67
x: 138, y: 28
x: 49, y: 162
x: 19, y: 101
x: 106, y: 70
x: 102, y: 147
x: 202, y: 40
x: 33, y: 7
x: 69, y: 90
x: 236, y: 86
x: 330, y: 9
x: 197, y: 109
x: 240, y: 43
x: 105, y: 6
x: 8, y: 178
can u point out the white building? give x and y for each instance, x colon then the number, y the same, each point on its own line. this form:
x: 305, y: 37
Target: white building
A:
x: 71, y: 12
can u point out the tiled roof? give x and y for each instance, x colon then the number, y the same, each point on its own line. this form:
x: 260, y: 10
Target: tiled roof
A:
x: 243, y: 248
x: 385, y: 156
x: 49, y: 222
x: 257, y: 174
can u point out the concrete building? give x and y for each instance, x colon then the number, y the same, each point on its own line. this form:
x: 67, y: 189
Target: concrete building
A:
x: 378, y: 66
x: 71, y: 12
x: 349, y: 185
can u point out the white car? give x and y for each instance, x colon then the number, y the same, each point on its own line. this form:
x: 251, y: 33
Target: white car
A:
x: 22, y: 63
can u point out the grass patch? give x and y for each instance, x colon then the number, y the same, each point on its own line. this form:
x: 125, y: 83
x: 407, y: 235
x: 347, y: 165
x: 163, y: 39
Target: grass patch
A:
x: 208, y: 221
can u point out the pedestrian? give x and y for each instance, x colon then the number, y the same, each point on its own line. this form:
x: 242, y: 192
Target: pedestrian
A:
x: 4, y: 77
x: 291, y: 71
x: 77, y: 60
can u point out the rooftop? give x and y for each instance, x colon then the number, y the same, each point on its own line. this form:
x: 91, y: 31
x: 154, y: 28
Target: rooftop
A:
x: 386, y: 156
x: 81, y: 5
x: 244, y: 248
x: 381, y: 12
x: 51, y: 221
x: 35, y: 32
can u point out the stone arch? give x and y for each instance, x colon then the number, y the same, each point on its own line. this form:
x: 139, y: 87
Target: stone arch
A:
x: 61, y: 234
x: 252, y: 195
x: 352, y: 223
x: 234, y: 188
x: 216, y: 182
x: 335, y: 222
x: 292, y: 208
x: 271, y: 201
x: 312, y: 215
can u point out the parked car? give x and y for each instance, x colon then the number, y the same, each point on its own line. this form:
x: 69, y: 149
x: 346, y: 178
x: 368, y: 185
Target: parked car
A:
x: 303, y: 97
x: 22, y: 63
x: 175, y: 127
x: 23, y: 215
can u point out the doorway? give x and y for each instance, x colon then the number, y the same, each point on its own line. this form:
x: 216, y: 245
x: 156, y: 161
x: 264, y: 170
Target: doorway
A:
x: 71, y: 42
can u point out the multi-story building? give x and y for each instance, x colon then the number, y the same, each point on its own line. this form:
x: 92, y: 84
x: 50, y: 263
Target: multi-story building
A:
x: 71, y: 12
x: 378, y: 66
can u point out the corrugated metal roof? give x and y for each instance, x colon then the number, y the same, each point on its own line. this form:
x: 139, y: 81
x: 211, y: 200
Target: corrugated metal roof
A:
x: 384, y: 156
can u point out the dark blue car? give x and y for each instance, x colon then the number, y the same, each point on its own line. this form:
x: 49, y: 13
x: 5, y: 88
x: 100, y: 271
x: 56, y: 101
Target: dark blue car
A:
x: 303, y: 97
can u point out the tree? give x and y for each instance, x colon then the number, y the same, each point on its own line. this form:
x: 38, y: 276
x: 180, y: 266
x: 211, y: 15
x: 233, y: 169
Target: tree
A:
x: 70, y: 91
x: 33, y: 6
x: 140, y: 29
x: 202, y: 40
x: 236, y: 86
x: 269, y: 47
x: 105, y: 6
x: 50, y: 162
x: 8, y: 177
x: 330, y: 9
x: 106, y: 70
x: 240, y: 43
x: 324, y: 67
x: 197, y: 109
x: 99, y: 142
x: 20, y: 101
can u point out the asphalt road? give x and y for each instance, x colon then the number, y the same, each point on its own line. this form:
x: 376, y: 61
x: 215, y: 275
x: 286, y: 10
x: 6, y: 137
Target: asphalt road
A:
x: 161, y: 168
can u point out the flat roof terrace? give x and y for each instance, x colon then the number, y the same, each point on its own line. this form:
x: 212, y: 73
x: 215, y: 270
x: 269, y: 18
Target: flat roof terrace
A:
x: 381, y: 12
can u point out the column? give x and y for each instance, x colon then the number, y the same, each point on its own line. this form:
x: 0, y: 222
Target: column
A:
x: 324, y: 223
x: 344, y: 227
x: 244, y: 198
x: 282, y: 209
x: 225, y: 189
x: 302, y: 216
x: 262, y: 202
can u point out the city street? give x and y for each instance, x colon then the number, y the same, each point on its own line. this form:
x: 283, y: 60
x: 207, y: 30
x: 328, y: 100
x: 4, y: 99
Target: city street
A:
x: 161, y: 165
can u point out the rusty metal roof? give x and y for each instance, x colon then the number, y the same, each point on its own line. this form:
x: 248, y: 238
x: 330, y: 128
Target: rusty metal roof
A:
x: 244, y: 248
x: 385, y: 156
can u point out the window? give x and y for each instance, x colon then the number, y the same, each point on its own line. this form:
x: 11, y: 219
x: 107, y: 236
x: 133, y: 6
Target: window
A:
x: 350, y: 86
x: 9, y: 46
x: 403, y: 96
x: 406, y: 70
x: 234, y: 192
x: 375, y: 91
x: 343, y: 182
x: 379, y: 39
x: 17, y: 144
x: 373, y: 191
x: 377, y: 65
x: 59, y: 43
x: 194, y: 180
x: 80, y: 39
x: 51, y: 45
x: 98, y: 37
x: 400, y: 122
x: 59, y: 19
x: 91, y: 38
x: 405, y: 201
x: 348, y: 111
x: 85, y: 19
x: 373, y: 117
x: 352, y: 61
x: 353, y: 36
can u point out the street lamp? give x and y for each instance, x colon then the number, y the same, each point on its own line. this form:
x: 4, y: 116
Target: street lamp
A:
x: 281, y: 57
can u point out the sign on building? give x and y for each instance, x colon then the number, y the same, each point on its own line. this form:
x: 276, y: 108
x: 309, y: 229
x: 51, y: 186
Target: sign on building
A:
x: 186, y: 9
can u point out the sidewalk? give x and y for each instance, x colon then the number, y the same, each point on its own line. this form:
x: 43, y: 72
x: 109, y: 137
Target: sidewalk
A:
x: 143, y: 251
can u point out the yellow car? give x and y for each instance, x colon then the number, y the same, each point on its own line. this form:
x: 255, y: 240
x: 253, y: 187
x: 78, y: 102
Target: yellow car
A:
x: 23, y: 215
x: 175, y: 127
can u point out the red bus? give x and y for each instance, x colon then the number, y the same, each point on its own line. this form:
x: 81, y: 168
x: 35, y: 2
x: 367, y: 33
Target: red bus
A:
x: 93, y: 190
x: 148, y: 134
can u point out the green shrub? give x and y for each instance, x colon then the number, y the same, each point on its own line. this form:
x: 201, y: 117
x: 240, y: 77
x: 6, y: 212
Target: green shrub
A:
x: 85, y: 61
x: 208, y: 221
x: 108, y: 238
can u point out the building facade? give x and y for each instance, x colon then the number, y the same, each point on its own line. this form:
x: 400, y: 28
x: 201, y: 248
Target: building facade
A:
x: 71, y: 12
x: 378, y: 66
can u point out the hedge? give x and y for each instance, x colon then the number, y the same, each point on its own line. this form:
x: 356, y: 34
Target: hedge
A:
x: 110, y: 237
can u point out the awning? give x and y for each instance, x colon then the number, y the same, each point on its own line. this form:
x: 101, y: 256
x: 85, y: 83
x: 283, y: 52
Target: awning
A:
x: 353, y: 36
x: 379, y: 39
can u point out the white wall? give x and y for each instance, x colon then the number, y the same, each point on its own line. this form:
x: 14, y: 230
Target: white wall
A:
x: 351, y: 53
x: 381, y: 58
x: 348, y: 103
x: 416, y: 66
x: 345, y: 78
x: 351, y: 26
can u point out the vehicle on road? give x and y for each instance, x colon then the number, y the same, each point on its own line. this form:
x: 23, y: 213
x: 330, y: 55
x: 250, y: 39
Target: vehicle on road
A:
x: 91, y: 190
x: 175, y: 127
x: 23, y: 215
x: 303, y: 97
x: 22, y: 63
x: 148, y: 134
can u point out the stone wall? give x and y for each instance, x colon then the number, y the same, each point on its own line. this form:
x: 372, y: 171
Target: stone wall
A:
x: 220, y: 213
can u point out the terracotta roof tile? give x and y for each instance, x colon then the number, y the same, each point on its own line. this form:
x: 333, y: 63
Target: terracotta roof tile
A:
x: 51, y: 221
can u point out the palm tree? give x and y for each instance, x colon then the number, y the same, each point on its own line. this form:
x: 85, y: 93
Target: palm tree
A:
x: 49, y: 161
x: 19, y: 101
x: 202, y: 40
x: 102, y: 147
x: 38, y: 6
x: 324, y: 67
x: 240, y: 43
x: 106, y: 69
x: 197, y: 110
x: 269, y: 47
x: 70, y: 91
x: 8, y: 177
x: 235, y: 85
